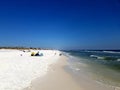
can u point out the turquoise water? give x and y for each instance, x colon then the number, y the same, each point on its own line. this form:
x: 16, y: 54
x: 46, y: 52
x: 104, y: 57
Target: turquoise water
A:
x: 103, y: 66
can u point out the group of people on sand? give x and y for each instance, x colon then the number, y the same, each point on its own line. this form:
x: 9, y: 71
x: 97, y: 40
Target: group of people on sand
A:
x: 59, y: 54
x: 39, y: 54
x: 36, y: 54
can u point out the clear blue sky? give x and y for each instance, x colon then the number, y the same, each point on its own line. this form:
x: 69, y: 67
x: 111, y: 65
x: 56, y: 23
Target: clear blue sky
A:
x: 61, y: 24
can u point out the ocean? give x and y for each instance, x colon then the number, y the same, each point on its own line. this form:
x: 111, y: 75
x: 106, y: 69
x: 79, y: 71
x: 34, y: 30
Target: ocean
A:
x: 101, y: 65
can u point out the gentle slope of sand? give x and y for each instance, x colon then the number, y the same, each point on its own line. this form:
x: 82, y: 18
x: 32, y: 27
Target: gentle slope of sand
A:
x: 58, y: 79
x: 18, y: 68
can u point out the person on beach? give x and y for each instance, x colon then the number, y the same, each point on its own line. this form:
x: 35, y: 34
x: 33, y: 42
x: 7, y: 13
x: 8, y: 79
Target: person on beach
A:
x: 60, y: 54
x: 37, y: 54
x: 32, y: 54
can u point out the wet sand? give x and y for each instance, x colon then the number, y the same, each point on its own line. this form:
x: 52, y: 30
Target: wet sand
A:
x: 58, y: 79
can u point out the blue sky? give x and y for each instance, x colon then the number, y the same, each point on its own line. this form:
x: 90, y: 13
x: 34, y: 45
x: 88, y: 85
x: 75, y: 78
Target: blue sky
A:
x: 60, y: 24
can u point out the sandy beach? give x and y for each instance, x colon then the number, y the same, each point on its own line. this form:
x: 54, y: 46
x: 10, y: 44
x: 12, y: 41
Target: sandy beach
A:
x: 59, y: 79
x: 18, y: 68
x: 20, y: 71
x: 59, y: 44
x: 56, y: 79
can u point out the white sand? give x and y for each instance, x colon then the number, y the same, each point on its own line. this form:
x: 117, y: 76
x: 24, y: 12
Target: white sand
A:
x: 56, y: 79
x: 17, y: 72
x: 59, y: 79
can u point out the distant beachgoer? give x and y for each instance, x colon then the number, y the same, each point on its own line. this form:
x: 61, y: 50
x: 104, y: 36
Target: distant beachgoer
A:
x: 60, y: 54
x: 37, y: 54
x: 41, y: 54
x: 32, y: 54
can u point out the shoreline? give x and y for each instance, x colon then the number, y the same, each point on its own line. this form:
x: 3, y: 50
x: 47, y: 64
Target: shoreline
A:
x: 56, y: 79
x: 59, y: 78
x: 50, y: 72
